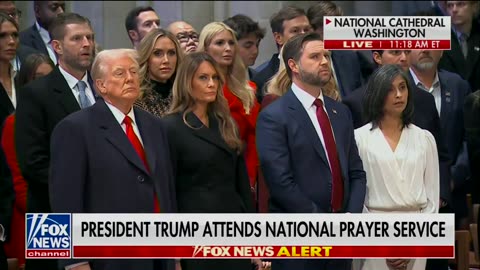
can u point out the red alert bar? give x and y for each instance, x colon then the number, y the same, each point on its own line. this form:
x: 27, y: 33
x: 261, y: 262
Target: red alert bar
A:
x: 263, y: 252
x: 387, y: 44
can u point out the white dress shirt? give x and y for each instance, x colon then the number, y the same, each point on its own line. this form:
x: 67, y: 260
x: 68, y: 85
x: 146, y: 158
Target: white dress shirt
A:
x: 72, y: 83
x: 15, y: 62
x: 46, y: 40
x: 2, y: 234
x: 307, y: 101
x: 120, y: 116
x: 435, y: 90
x: 13, y: 98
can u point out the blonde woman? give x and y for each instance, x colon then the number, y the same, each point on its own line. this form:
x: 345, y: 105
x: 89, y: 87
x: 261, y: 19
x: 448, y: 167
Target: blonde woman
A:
x: 219, y: 41
x: 159, y: 57
x: 209, y: 170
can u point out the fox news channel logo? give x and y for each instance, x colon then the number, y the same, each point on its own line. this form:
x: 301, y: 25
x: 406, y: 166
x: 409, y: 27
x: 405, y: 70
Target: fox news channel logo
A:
x: 48, y: 236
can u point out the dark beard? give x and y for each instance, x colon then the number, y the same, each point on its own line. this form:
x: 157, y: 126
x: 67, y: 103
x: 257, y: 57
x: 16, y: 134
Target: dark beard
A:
x: 312, y: 79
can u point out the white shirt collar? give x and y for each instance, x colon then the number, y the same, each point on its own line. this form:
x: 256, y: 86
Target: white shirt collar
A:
x: 417, y: 81
x: 305, y: 98
x: 119, y: 115
x: 15, y: 62
x: 72, y: 81
x: 43, y: 33
x: 13, y: 70
x: 13, y: 98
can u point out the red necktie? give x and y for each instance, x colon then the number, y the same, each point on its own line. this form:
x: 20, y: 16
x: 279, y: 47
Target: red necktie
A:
x: 337, y: 184
x: 137, y: 145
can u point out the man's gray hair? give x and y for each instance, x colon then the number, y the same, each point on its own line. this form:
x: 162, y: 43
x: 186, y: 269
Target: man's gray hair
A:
x: 100, y: 63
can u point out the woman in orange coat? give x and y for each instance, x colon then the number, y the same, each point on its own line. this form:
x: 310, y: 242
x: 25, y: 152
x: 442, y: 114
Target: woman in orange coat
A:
x: 35, y: 66
x: 218, y: 40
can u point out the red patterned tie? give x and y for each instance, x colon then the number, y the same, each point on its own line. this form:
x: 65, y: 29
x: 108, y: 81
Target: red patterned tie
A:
x: 337, y: 183
x: 139, y: 148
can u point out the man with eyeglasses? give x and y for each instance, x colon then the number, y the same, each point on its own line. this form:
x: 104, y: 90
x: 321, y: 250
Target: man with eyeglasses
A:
x: 37, y: 36
x: 187, y: 35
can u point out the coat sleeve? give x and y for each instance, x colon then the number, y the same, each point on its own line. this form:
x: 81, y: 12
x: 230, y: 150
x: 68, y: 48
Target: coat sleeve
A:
x: 442, y: 151
x: 461, y: 168
x: 432, y: 175
x: 171, y: 165
x: 31, y: 137
x: 356, y: 173
x: 68, y: 171
x: 243, y: 186
x: 272, y: 145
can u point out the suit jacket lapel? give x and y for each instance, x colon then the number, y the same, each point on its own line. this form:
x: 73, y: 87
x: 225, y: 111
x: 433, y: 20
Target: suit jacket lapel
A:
x: 115, y: 135
x: 298, y: 112
x: 36, y: 36
x: 473, y: 52
x: 211, y: 134
x: 63, y: 91
x: 6, y: 102
x: 275, y: 63
x: 148, y: 142
x: 447, y: 99
x: 457, y: 56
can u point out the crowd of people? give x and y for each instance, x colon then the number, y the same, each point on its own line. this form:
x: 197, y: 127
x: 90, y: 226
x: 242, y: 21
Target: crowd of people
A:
x: 183, y: 123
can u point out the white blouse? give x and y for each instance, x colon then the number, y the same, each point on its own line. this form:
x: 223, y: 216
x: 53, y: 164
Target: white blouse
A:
x: 404, y: 180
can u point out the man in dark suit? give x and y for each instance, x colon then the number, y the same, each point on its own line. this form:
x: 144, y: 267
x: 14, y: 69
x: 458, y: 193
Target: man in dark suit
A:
x: 449, y: 91
x: 86, y: 142
x: 306, y: 146
x: 286, y: 23
x: 464, y: 56
x: 346, y: 65
x: 46, y: 101
x: 37, y: 36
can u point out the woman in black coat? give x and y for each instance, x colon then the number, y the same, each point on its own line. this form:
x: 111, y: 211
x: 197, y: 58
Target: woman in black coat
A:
x: 210, y: 172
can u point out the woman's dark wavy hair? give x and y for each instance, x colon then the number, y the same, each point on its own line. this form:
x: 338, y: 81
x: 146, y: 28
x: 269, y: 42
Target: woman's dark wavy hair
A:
x: 378, y: 87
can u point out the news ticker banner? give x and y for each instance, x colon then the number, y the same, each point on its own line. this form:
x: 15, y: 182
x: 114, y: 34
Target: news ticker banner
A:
x: 387, y: 32
x: 96, y: 236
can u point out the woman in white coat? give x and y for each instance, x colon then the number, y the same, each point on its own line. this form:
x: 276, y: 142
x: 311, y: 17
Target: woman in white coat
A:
x: 399, y: 158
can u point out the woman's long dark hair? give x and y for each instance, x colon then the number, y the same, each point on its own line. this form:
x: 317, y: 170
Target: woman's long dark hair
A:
x: 378, y: 87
